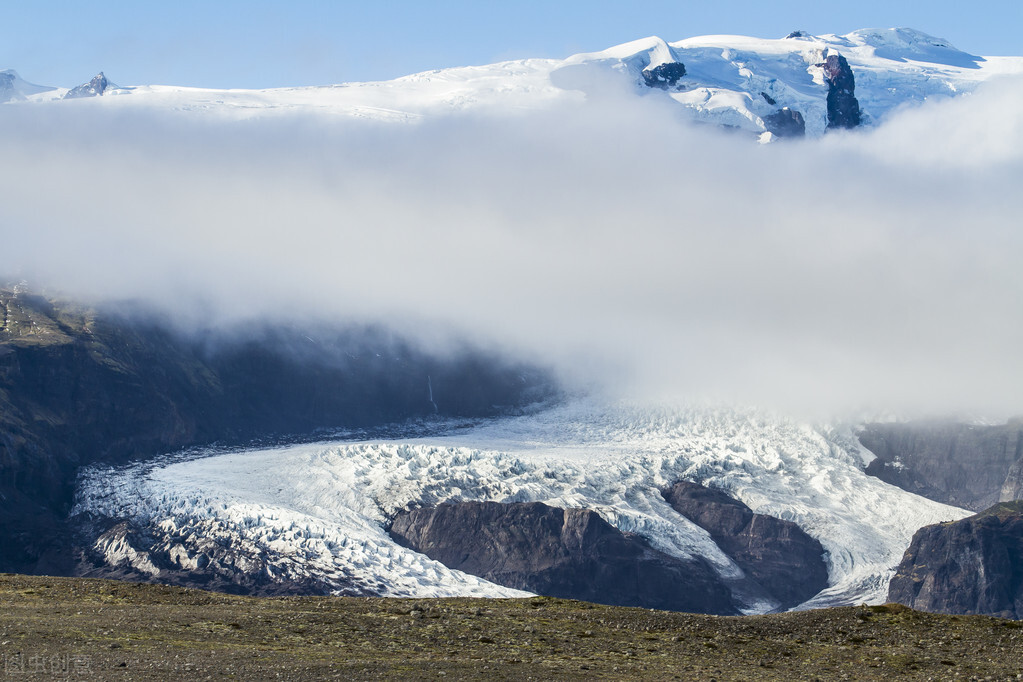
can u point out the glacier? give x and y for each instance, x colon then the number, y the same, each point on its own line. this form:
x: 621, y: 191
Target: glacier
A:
x: 321, y: 510
x: 734, y: 81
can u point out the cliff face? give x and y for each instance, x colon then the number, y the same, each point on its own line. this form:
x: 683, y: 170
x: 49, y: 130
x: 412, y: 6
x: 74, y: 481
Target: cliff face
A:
x: 776, y: 554
x: 79, y: 386
x: 970, y: 566
x: 570, y: 553
x: 964, y: 465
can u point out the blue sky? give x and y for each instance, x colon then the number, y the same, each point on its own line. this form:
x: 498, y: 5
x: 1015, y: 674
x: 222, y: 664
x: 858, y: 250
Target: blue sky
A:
x: 257, y: 43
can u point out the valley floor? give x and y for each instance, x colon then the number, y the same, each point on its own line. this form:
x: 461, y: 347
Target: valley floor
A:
x: 72, y: 628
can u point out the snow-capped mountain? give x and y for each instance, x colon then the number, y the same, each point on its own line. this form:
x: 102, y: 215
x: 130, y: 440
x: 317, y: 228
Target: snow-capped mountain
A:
x: 317, y: 514
x: 99, y: 85
x: 783, y: 87
x: 13, y: 88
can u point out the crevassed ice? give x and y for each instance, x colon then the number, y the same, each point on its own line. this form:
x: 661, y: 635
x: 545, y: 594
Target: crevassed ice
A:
x: 322, y: 508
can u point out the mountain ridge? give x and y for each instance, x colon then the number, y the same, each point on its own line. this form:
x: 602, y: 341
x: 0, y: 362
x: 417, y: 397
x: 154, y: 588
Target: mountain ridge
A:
x: 733, y: 81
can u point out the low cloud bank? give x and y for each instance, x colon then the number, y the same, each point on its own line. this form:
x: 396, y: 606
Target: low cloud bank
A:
x: 877, y: 269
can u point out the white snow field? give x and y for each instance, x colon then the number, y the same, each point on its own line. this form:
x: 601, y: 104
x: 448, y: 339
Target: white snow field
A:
x: 729, y: 80
x: 320, y: 509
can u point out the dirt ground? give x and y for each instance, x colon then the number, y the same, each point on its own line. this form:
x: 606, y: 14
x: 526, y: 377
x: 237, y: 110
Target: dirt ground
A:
x: 67, y: 628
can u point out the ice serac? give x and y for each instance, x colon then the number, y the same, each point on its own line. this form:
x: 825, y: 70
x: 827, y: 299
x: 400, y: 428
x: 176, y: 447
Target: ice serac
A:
x: 123, y: 550
x: 94, y: 88
x: 969, y: 566
x: 569, y: 553
x: 776, y: 554
x: 843, y: 107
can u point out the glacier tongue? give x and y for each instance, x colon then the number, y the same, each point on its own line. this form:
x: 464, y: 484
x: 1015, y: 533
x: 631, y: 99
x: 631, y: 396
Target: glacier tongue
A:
x: 321, y: 510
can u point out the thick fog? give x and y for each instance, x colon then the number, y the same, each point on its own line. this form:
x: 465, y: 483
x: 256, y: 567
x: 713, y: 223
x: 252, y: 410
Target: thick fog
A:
x: 879, y: 269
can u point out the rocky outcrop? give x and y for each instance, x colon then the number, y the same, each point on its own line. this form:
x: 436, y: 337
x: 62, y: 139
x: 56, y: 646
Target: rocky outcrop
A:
x: 80, y: 386
x: 664, y: 76
x: 964, y: 465
x: 785, y: 123
x: 970, y: 566
x: 94, y: 88
x: 776, y: 554
x: 843, y: 107
x: 569, y: 553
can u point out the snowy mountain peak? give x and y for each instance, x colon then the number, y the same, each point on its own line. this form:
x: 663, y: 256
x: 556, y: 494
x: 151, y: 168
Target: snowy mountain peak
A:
x: 643, y: 53
x: 94, y: 88
x: 903, y: 45
x: 13, y: 88
x: 801, y: 84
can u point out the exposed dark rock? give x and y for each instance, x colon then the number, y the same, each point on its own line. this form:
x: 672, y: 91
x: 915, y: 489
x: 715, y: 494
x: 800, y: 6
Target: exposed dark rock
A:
x: 798, y: 34
x: 570, y: 553
x: 970, y: 566
x: 960, y: 464
x: 767, y: 98
x: 774, y: 553
x: 94, y: 88
x: 664, y: 76
x: 786, y: 123
x: 843, y: 107
x: 79, y: 386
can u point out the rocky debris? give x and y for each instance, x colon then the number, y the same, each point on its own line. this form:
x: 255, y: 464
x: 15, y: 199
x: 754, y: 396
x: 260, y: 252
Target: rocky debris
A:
x: 971, y: 566
x: 94, y: 88
x: 664, y: 76
x: 785, y: 123
x: 120, y: 631
x: 843, y: 107
x: 776, y: 554
x: 81, y: 386
x: 569, y: 553
x: 965, y: 465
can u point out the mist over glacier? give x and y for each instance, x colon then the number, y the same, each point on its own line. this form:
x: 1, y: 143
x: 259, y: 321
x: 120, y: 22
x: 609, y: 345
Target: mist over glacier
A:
x: 608, y: 236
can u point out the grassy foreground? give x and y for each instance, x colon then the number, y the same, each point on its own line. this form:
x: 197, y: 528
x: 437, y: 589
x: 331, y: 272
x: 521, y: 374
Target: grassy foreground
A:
x: 69, y: 628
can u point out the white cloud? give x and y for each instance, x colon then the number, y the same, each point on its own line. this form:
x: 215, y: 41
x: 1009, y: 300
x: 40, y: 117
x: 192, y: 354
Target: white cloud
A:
x: 877, y: 268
